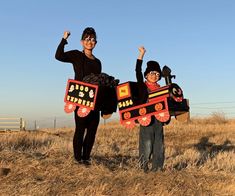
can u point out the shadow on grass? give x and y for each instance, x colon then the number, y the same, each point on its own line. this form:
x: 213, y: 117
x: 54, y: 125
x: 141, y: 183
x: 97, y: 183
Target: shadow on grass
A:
x: 117, y: 161
x: 209, y: 150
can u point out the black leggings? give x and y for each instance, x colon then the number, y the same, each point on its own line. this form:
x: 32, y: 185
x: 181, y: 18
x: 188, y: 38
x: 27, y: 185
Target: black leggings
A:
x: 82, y: 146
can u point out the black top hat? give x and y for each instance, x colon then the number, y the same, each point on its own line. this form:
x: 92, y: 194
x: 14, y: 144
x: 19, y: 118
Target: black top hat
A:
x: 153, y: 66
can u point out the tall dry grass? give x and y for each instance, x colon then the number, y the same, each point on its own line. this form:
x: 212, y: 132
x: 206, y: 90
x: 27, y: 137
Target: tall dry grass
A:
x: 199, y: 160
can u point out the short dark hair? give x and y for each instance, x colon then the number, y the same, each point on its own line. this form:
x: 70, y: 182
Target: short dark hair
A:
x: 89, y: 31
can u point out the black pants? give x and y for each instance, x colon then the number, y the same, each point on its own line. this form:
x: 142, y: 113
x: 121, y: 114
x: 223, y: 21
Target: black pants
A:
x: 82, y: 146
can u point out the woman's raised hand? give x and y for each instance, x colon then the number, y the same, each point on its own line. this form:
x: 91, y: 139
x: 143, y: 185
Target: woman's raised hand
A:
x: 66, y: 34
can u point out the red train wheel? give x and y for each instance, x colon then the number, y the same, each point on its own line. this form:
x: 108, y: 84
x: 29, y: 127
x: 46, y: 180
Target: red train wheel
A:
x: 163, y: 116
x: 129, y: 124
x: 158, y: 106
x: 144, y: 121
x: 69, y: 107
x: 142, y: 111
x: 127, y: 115
x: 83, y: 111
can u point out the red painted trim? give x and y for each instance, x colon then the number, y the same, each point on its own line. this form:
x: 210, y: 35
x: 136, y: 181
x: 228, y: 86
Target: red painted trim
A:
x: 144, y: 105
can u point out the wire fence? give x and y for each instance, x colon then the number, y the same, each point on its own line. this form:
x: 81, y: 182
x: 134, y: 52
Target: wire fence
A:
x: 49, y: 122
x: 58, y: 122
x: 203, y: 109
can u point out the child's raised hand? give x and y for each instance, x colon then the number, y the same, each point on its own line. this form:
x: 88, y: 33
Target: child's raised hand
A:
x: 142, y: 49
x: 142, y: 52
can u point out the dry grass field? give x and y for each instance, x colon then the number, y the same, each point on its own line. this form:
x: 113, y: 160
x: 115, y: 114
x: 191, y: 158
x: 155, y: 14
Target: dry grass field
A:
x: 199, y: 161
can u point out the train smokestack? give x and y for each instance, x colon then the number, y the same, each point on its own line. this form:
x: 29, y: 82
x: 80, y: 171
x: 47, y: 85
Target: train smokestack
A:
x: 166, y: 73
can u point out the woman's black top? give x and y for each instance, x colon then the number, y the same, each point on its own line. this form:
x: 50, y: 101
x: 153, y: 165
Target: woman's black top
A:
x: 82, y: 65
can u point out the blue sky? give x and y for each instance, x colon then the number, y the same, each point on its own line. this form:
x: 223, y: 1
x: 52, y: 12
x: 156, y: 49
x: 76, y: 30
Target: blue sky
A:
x: 196, y: 39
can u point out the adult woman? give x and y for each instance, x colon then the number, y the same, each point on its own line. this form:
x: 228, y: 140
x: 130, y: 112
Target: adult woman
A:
x: 84, y: 63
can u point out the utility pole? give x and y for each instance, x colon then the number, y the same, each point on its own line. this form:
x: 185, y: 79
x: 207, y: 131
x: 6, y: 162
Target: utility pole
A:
x: 55, y: 123
x: 35, y: 125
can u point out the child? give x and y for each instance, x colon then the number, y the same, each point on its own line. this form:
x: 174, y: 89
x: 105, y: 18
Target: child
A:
x: 151, y: 138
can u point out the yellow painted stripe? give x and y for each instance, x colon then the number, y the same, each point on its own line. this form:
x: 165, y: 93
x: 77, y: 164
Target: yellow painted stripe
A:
x: 158, y: 93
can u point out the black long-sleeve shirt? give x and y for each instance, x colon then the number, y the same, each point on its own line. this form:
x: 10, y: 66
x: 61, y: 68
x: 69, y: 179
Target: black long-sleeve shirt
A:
x: 138, y: 71
x: 82, y: 65
x: 143, y: 92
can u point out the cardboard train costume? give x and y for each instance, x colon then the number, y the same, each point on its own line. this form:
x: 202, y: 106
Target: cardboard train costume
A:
x: 95, y: 92
x: 162, y: 103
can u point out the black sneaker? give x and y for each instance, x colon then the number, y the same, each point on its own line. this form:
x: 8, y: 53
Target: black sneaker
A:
x: 78, y: 161
x: 87, y: 162
x: 156, y: 169
x: 146, y: 169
